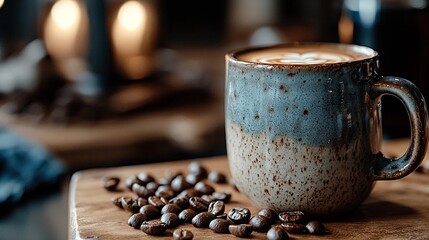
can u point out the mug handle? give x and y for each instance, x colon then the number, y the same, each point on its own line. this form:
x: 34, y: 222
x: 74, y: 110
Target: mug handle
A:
x: 414, y: 102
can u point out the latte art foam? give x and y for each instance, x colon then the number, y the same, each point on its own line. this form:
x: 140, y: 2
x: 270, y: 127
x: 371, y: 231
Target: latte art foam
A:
x: 304, y: 55
x: 301, y: 58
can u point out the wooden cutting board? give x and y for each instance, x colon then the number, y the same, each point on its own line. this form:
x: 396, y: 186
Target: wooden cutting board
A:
x: 396, y: 209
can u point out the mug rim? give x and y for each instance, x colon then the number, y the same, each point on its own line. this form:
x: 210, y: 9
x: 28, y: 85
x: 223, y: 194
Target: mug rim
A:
x: 371, y: 54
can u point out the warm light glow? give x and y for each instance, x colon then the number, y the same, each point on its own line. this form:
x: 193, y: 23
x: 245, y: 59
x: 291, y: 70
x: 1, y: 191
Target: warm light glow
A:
x: 133, y: 38
x: 345, y: 29
x: 131, y: 15
x: 1, y: 3
x: 65, y: 13
x: 65, y: 33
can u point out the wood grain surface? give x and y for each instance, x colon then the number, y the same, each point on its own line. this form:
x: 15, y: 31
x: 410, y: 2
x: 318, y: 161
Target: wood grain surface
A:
x: 397, y: 209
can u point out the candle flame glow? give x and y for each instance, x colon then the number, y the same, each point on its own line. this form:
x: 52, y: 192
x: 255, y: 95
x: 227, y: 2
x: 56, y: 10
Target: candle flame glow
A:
x: 1, y: 3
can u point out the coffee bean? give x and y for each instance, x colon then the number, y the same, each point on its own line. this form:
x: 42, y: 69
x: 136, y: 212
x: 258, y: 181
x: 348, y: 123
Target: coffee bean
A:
x: 220, y: 225
x: 197, y: 169
x: 152, y: 186
x: 292, y: 216
x: 239, y: 215
x: 110, y: 183
x: 208, y: 198
x: 241, y: 230
x: 182, y: 234
x: 269, y: 213
x: 315, y: 228
x: 277, y: 233
x: 202, y: 220
x: 203, y: 188
x: 179, y: 184
x: 150, y: 211
x: 216, y: 177
x: 216, y: 208
x: 142, y: 191
x: 117, y: 202
x: 190, y: 192
x: 171, y: 207
x: 182, y: 202
x: 222, y: 196
x: 187, y: 215
x: 170, y: 219
x: 140, y: 202
x: 153, y: 227
x: 145, y: 178
x: 167, y: 193
x: 260, y: 223
x: 294, y: 227
x: 129, y: 182
x: 192, y: 178
x: 136, y: 220
x: 129, y: 205
x: 198, y: 204
x: 222, y: 216
x: 156, y: 202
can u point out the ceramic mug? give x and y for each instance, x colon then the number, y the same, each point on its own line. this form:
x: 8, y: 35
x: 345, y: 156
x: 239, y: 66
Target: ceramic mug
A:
x: 303, y: 125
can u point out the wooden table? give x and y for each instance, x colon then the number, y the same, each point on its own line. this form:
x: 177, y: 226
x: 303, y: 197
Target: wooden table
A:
x: 395, y: 209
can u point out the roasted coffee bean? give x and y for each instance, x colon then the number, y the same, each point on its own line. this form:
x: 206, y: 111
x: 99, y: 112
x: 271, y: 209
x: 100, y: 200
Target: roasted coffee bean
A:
x: 241, y: 230
x: 117, y: 202
x: 239, y: 215
x: 187, y: 215
x: 170, y: 219
x: 269, y: 213
x: 208, y: 198
x: 220, y: 225
x: 182, y: 234
x: 140, y: 202
x: 260, y: 223
x: 202, y: 220
x: 292, y: 216
x: 197, y: 169
x: 192, y: 179
x: 315, y: 228
x: 295, y: 228
x: 129, y: 204
x: 165, y: 193
x: 110, y: 183
x: 136, y: 220
x: 153, y: 227
x: 142, y: 191
x: 222, y: 196
x: 204, y: 188
x: 216, y: 177
x: 171, y: 207
x: 216, y: 208
x: 145, y: 178
x: 222, y: 216
x: 277, y: 233
x: 179, y: 184
x: 182, y: 202
x: 150, y: 211
x: 129, y: 182
x: 190, y: 192
x: 198, y: 204
x: 156, y: 202
x: 152, y: 186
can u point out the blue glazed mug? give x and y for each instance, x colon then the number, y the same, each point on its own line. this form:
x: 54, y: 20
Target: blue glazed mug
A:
x: 303, y: 125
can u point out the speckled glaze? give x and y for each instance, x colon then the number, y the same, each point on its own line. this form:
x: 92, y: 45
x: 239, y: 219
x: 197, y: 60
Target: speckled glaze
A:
x: 307, y: 137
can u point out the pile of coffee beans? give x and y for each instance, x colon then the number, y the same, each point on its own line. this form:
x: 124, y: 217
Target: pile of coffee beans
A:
x: 177, y: 198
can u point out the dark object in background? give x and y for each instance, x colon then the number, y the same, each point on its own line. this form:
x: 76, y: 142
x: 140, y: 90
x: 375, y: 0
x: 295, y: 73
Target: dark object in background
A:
x: 25, y: 168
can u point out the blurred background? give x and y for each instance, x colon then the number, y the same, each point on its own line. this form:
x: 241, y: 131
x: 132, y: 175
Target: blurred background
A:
x: 104, y: 83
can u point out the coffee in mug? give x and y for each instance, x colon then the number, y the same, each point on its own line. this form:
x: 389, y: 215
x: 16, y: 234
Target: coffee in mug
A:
x: 303, y: 125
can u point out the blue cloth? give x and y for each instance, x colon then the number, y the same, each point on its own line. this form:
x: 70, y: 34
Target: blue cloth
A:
x: 25, y: 166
